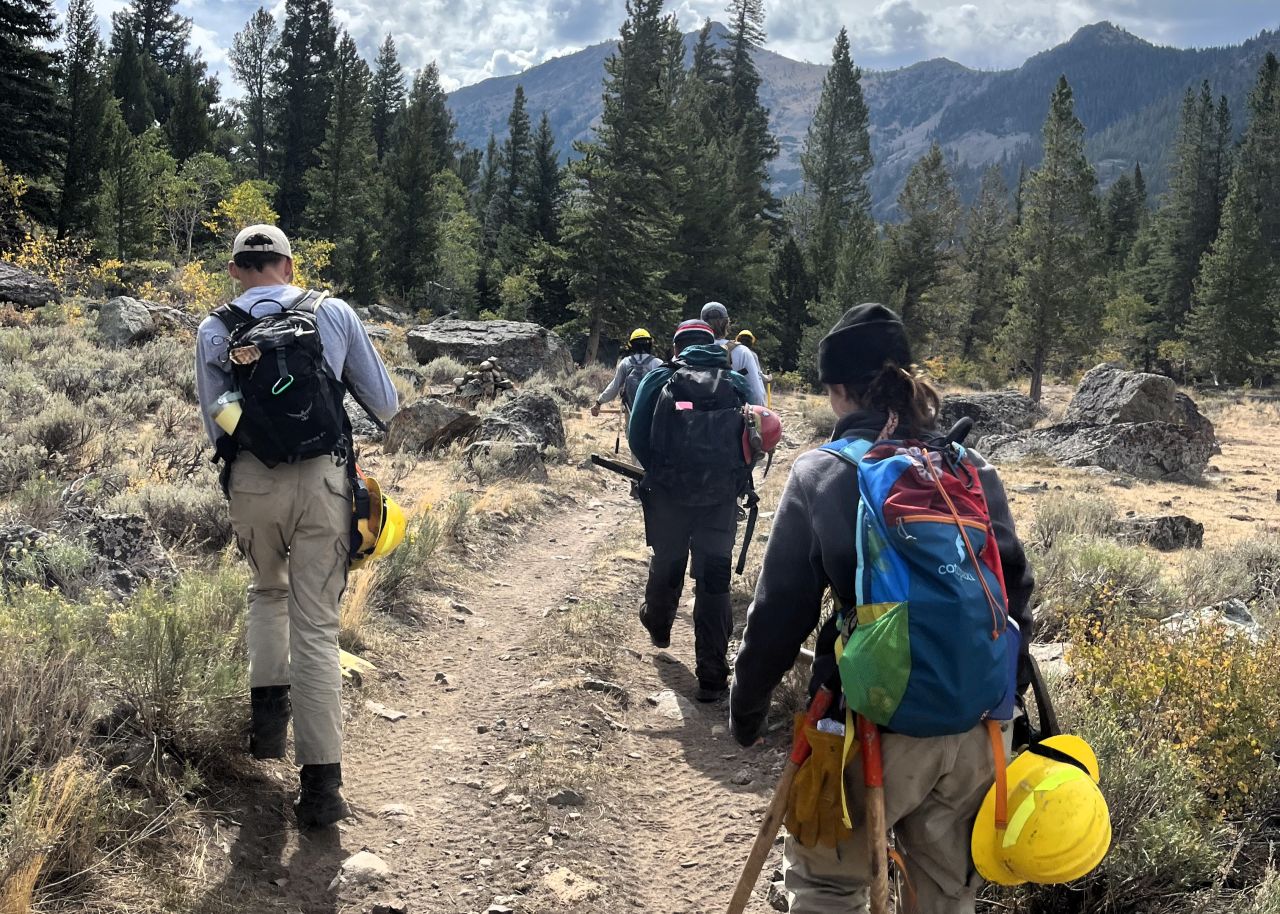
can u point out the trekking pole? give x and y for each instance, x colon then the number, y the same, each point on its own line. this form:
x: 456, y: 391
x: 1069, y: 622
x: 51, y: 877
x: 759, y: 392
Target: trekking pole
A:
x: 877, y: 830
x: 777, y: 810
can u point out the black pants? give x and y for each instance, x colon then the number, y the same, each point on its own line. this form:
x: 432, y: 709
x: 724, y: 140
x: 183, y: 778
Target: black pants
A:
x: 673, y: 530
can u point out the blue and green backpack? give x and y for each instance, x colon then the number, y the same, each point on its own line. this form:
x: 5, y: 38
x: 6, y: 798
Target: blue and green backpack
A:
x: 928, y: 648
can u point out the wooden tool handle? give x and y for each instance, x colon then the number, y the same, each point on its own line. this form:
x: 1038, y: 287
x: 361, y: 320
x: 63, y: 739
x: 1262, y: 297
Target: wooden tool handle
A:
x: 877, y: 828
x: 777, y: 810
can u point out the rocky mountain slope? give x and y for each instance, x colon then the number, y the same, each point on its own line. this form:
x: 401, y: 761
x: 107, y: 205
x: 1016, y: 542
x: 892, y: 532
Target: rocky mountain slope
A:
x: 1127, y: 92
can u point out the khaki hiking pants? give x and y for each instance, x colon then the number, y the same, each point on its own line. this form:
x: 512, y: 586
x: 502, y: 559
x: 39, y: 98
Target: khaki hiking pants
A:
x: 293, y: 523
x: 932, y: 791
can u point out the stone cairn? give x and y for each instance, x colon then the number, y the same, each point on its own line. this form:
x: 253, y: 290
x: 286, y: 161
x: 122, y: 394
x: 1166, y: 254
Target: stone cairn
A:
x: 484, y: 383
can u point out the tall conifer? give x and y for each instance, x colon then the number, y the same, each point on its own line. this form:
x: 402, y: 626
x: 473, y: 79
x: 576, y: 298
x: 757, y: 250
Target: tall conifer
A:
x: 308, y: 47
x: 84, y: 100
x: 255, y: 63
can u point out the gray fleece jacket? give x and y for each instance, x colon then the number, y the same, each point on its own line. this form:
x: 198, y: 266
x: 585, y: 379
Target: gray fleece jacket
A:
x: 811, y: 548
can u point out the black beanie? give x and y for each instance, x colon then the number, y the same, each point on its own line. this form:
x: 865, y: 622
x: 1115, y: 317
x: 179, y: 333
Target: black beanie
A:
x: 858, y: 346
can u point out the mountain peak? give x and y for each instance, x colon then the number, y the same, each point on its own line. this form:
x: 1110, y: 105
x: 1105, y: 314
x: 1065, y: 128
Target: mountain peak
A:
x: 1105, y: 33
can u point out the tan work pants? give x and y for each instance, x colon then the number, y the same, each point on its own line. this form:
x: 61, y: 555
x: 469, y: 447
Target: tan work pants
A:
x: 293, y: 524
x: 932, y: 791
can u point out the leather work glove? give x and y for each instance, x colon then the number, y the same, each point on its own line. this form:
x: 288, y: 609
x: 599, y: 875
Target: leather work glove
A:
x: 814, y: 815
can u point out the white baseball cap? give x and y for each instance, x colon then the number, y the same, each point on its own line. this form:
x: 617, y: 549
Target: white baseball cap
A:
x: 713, y: 310
x: 262, y: 239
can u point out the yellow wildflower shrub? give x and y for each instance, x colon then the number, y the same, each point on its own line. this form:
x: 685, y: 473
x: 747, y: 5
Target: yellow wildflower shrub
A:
x: 1209, y: 692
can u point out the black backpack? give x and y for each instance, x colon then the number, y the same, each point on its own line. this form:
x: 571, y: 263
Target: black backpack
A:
x: 696, y: 437
x: 293, y: 405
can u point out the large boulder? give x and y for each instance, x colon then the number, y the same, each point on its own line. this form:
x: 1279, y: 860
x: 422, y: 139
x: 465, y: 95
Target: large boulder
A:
x: 1110, y: 395
x: 428, y: 424
x: 1147, y: 450
x: 387, y: 315
x: 523, y: 349
x: 506, y: 460
x: 1165, y: 532
x: 530, y: 418
x: 125, y: 321
x: 24, y: 288
x: 1000, y: 412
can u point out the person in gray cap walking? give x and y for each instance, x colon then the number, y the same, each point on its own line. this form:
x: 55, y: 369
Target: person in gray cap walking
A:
x: 744, y: 361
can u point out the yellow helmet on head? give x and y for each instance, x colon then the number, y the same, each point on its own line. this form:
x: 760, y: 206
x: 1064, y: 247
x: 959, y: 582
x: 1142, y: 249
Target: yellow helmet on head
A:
x: 746, y: 336
x: 640, y: 334
x: 381, y: 530
x: 1059, y: 827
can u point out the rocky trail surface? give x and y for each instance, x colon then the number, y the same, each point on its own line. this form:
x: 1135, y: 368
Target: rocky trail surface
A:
x: 532, y: 753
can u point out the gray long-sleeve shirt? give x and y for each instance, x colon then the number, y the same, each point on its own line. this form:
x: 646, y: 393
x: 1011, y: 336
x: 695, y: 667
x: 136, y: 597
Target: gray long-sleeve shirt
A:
x: 347, y: 350
x: 641, y: 362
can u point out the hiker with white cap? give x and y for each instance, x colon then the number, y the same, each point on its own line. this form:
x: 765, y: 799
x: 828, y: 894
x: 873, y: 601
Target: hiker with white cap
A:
x: 272, y: 369
x: 742, y: 358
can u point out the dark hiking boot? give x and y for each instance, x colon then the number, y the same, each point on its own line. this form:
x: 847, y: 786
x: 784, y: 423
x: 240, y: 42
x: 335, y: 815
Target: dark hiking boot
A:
x: 658, y: 638
x: 709, y: 692
x: 270, y: 725
x: 320, y: 803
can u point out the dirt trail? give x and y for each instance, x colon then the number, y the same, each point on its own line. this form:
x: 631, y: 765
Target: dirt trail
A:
x: 453, y: 796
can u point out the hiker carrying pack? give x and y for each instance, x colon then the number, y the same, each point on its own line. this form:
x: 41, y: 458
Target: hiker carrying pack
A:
x: 915, y: 540
x: 267, y: 378
x: 687, y: 430
x: 630, y: 372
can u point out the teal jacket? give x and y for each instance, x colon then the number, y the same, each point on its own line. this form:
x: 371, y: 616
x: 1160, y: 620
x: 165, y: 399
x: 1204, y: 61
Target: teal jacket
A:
x: 709, y: 356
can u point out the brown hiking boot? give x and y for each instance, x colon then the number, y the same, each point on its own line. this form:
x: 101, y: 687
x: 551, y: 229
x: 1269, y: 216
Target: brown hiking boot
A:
x: 320, y: 803
x: 269, y: 728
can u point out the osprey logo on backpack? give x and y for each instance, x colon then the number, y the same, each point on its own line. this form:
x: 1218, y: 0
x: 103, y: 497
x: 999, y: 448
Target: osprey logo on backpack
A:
x: 929, y: 648
x: 292, y: 407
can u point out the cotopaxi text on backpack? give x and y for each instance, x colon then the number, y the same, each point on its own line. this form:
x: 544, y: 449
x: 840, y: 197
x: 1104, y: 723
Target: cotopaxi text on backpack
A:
x: 928, y: 649
x: 292, y: 407
x: 696, y: 437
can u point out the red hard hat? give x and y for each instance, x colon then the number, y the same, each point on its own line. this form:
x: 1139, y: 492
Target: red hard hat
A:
x: 762, y: 434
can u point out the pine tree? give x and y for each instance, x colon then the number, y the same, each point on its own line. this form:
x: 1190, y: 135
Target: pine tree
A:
x: 343, y: 191
x: 791, y: 287
x: 188, y: 126
x: 1123, y: 210
x: 1053, y: 313
x: 84, y: 99
x: 387, y: 94
x: 859, y: 278
x: 1187, y: 222
x: 547, y: 188
x: 161, y: 34
x: 422, y: 146
x: 620, y: 230
x: 920, y: 246
x: 836, y: 159
x: 748, y: 120
x: 129, y: 84
x: 255, y: 63
x: 985, y: 265
x: 135, y: 172
x: 304, y: 89
x: 1232, y: 328
x: 508, y: 219
x: 31, y: 135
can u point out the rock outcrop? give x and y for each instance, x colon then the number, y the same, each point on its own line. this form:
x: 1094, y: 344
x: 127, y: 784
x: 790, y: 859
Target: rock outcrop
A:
x: 130, y: 553
x: 124, y: 553
x: 1123, y: 421
x: 24, y: 288
x: 427, y: 424
x: 506, y: 460
x: 523, y: 349
x: 125, y: 321
x: 1166, y: 532
x: 530, y: 418
x: 1000, y: 412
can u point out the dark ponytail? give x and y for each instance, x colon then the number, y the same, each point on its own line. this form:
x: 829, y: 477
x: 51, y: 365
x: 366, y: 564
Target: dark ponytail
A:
x: 902, y: 391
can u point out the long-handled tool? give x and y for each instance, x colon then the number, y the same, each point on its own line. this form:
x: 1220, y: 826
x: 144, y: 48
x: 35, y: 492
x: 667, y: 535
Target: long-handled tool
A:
x: 877, y: 830
x: 621, y: 467
x: 778, y: 805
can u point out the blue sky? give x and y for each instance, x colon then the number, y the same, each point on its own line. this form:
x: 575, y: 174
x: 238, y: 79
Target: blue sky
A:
x: 474, y: 39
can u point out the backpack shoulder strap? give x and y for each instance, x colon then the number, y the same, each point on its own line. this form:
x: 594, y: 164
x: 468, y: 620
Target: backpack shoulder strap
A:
x: 231, y: 317
x: 850, y: 450
x: 308, y: 302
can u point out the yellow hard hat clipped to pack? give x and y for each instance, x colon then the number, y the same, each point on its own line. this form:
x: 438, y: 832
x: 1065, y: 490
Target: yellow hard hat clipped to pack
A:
x: 377, y: 523
x: 1059, y: 827
x: 640, y: 334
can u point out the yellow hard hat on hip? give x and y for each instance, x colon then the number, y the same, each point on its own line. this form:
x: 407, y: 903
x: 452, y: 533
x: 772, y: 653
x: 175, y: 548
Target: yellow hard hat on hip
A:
x: 381, y: 530
x: 1059, y: 827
